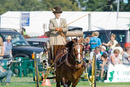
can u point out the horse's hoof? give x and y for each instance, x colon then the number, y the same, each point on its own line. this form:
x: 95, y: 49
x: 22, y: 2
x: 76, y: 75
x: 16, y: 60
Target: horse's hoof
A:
x: 65, y: 85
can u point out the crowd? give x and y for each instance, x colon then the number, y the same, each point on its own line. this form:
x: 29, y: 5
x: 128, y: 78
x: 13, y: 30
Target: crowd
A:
x: 106, y: 53
x: 5, y: 51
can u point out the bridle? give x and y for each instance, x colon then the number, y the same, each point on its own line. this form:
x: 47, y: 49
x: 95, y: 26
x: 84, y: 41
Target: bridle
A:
x: 74, y: 47
x: 74, y: 55
x: 76, y: 66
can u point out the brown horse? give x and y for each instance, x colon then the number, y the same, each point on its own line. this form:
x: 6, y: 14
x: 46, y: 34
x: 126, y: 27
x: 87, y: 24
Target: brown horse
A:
x: 69, y: 64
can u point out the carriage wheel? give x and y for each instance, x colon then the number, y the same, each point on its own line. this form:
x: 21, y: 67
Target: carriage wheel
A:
x: 36, y: 72
x: 94, y: 71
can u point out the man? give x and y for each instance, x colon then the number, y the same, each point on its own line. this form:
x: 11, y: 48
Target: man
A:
x: 97, y: 52
x: 3, y: 74
x: 98, y: 58
x: 8, y: 47
x: 57, y: 27
x: 126, y: 56
x: 95, y: 41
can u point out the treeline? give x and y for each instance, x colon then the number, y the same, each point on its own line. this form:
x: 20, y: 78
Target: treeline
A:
x: 67, y: 5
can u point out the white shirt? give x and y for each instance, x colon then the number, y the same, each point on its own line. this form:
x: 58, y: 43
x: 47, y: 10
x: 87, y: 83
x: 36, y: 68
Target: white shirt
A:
x: 58, y: 21
x: 97, y: 55
x: 114, y: 44
x: 120, y: 49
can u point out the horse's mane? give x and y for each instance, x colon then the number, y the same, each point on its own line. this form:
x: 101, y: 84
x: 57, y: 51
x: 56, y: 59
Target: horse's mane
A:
x: 70, y: 43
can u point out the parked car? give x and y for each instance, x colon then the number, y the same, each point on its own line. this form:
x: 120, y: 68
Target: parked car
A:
x: 38, y: 42
x: 122, y: 36
x: 74, y: 28
x: 21, y: 47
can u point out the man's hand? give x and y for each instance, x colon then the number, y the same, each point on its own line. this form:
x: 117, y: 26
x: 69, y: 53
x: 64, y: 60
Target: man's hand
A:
x: 4, y: 70
x: 57, y: 29
x: 60, y: 29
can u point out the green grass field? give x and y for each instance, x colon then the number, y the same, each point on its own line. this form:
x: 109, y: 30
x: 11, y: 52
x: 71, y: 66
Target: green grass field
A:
x: 28, y: 82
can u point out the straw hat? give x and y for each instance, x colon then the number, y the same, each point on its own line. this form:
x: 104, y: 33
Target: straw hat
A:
x: 8, y: 38
x: 103, y: 47
x: 57, y: 9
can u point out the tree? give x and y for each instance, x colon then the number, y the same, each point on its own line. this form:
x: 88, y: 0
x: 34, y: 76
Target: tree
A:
x: 104, y: 5
x: 65, y: 4
x: 36, y: 5
x: 19, y: 5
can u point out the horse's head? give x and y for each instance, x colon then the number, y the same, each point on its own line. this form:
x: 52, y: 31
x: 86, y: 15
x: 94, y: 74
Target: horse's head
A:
x: 77, y: 52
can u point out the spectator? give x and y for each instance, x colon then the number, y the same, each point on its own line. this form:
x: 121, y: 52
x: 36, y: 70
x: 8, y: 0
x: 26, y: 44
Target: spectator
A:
x: 103, y: 50
x: 86, y: 44
x: 45, y: 35
x: 92, y: 35
x: 23, y: 32
x: 98, y: 58
x: 120, y: 49
x: 126, y: 56
x: 114, y: 58
x: 95, y: 41
x: 1, y: 49
x: 3, y: 72
x: 104, y: 65
x: 112, y: 43
x: 110, y: 47
x: 97, y: 52
x: 8, y: 47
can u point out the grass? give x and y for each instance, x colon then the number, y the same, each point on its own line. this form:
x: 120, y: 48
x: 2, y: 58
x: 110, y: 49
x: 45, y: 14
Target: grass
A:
x: 28, y: 82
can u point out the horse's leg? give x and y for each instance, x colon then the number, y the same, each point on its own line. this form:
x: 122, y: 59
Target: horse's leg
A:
x: 58, y: 81
x: 64, y: 82
x: 75, y: 82
x: 69, y: 83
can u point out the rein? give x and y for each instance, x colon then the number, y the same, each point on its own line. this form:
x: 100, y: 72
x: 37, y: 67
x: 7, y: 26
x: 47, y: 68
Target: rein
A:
x: 73, y: 66
x: 66, y: 61
x: 69, y: 64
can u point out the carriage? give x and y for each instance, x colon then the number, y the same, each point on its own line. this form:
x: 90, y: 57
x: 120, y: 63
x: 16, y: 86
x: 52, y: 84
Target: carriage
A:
x: 68, y: 65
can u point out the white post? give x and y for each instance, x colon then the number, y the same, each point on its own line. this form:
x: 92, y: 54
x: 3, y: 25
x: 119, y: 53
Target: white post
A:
x: 118, y: 4
x: 89, y: 22
x: 44, y: 27
x: 0, y: 21
x: 129, y: 23
x: 20, y: 28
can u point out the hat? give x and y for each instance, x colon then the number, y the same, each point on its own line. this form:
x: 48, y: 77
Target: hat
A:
x: 127, y: 45
x: 8, y: 38
x: 103, y: 47
x: 104, y: 55
x: 57, y: 9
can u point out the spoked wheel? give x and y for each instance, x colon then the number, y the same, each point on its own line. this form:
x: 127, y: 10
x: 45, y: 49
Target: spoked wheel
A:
x: 94, y: 71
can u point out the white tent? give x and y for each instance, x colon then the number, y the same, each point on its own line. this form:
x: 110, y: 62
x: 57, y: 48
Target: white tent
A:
x: 99, y: 20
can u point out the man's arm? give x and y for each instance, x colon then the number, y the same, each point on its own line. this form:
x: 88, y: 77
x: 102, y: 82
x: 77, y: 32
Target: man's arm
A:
x: 106, y: 44
x: 3, y: 69
x: 113, y: 59
x: 2, y: 51
x: 99, y: 42
x: 51, y: 26
x: 65, y: 28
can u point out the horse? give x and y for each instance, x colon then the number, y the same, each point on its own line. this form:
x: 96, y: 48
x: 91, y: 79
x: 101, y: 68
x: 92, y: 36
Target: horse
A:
x: 69, y: 64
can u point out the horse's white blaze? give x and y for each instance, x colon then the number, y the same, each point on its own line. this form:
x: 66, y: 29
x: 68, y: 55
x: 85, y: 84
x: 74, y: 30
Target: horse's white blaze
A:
x: 78, y: 53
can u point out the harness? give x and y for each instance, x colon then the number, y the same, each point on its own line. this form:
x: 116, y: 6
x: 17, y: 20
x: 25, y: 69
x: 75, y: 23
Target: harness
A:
x: 77, y: 66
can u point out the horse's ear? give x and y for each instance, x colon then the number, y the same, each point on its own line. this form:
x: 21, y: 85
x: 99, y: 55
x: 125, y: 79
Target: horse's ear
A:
x: 81, y: 40
x: 73, y: 40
